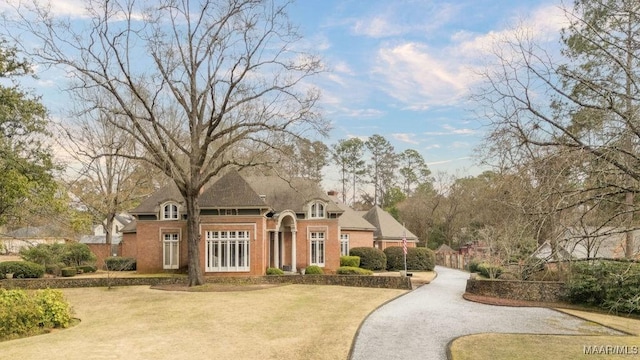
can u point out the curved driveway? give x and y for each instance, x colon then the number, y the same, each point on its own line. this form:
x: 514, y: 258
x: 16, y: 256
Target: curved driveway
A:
x: 419, y: 325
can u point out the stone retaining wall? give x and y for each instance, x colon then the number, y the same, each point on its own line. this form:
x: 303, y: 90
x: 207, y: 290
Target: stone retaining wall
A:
x: 544, y: 291
x: 389, y: 282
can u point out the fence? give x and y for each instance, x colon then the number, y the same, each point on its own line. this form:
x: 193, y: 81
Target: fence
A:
x: 453, y: 260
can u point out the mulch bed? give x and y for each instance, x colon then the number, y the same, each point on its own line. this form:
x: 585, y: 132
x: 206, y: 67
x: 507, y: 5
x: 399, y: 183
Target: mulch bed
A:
x: 214, y: 287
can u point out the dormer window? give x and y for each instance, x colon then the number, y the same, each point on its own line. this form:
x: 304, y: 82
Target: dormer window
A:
x: 170, y: 211
x: 317, y: 210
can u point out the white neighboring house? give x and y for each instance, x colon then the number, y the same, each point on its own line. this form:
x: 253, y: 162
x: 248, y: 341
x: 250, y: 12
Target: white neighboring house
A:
x: 119, y: 222
x: 12, y: 242
x: 99, y: 236
x: 590, y: 243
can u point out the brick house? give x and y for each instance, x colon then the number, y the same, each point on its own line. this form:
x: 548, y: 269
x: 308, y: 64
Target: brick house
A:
x: 247, y: 225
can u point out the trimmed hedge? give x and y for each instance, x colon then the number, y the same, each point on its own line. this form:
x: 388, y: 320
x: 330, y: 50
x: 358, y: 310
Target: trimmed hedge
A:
x: 353, y: 261
x: 21, y: 270
x: 395, y: 258
x: 313, y: 270
x: 420, y: 258
x: 351, y: 270
x: 118, y: 263
x: 274, y: 271
x: 370, y: 258
x: 68, y: 272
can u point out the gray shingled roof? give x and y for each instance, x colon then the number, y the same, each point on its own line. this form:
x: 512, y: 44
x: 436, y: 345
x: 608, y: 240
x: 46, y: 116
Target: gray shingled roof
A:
x: 235, y: 191
x: 351, y: 219
x: 151, y: 204
x: 388, y: 228
x: 231, y: 191
x: 292, y: 194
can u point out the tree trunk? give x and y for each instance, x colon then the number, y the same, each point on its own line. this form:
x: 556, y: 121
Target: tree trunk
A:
x: 196, y: 276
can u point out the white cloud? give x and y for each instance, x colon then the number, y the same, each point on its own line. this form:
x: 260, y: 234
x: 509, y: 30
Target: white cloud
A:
x: 422, y: 76
x: 418, y: 75
x: 450, y: 130
x: 404, y: 137
x: 73, y: 8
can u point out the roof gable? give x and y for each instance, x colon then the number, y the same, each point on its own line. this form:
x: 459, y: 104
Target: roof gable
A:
x: 387, y: 228
x: 295, y: 194
x: 231, y: 191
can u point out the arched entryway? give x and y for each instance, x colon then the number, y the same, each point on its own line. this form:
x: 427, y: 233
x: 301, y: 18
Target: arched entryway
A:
x: 282, y: 242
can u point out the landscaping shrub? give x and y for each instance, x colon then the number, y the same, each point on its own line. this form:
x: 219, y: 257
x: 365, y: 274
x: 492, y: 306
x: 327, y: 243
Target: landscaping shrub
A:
x: 19, y: 314
x: 507, y: 276
x: 69, y: 254
x: 76, y: 254
x: 351, y: 270
x: 473, y: 266
x: 56, y: 311
x: 68, y: 271
x: 490, y: 271
x: 21, y: 269
x: 421, y: 258
x: 545, y: 275
x: 54, y: 269
x: 614, y: 286
x: 395, y: 258
x: 118, y: 263
x: 88, y: 268
x: 23, y: 314
x: 274, y: 271
x: 43, y: 254
x: 353, y: 261
x: 370, y: 258
x: 313, y: 270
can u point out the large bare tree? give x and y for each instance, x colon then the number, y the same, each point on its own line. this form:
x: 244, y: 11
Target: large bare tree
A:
x: 581, y: 103
x: 197, y: 84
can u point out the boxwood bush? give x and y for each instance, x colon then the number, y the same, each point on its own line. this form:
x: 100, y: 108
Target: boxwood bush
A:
x: 68, y: 272
x: 353, y: 261
x: 313, y: 270
x: 395, y: 258
x: 119, y: 263
x: 351, y: 270
x: 274, y: 271
x: 419, y: 259
x: 370, y: 258
x: 21, y: 269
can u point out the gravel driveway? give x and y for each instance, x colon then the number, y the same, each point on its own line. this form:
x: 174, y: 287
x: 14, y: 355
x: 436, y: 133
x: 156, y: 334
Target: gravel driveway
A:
x: 420, y: 324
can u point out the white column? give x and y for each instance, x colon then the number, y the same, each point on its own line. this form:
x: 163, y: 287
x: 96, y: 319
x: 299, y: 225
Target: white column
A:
x: 282, y: 248
x: 276, y: 250
x: 293, y: 250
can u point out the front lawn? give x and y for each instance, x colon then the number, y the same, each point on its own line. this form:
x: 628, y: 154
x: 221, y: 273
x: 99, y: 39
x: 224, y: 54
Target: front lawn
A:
x: 522, y: 346
x: 292, y: 322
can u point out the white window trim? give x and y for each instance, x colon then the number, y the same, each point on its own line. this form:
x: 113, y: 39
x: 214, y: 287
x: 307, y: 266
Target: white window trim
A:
x: 236, y: 242
x: 313, y: 210
x: 344, y: 238
x: 170, y: 215
x: 314, y: 242
x: 166, y: 242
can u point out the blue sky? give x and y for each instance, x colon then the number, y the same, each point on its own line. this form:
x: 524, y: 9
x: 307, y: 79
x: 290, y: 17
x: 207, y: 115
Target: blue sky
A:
x: 402, y: 68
